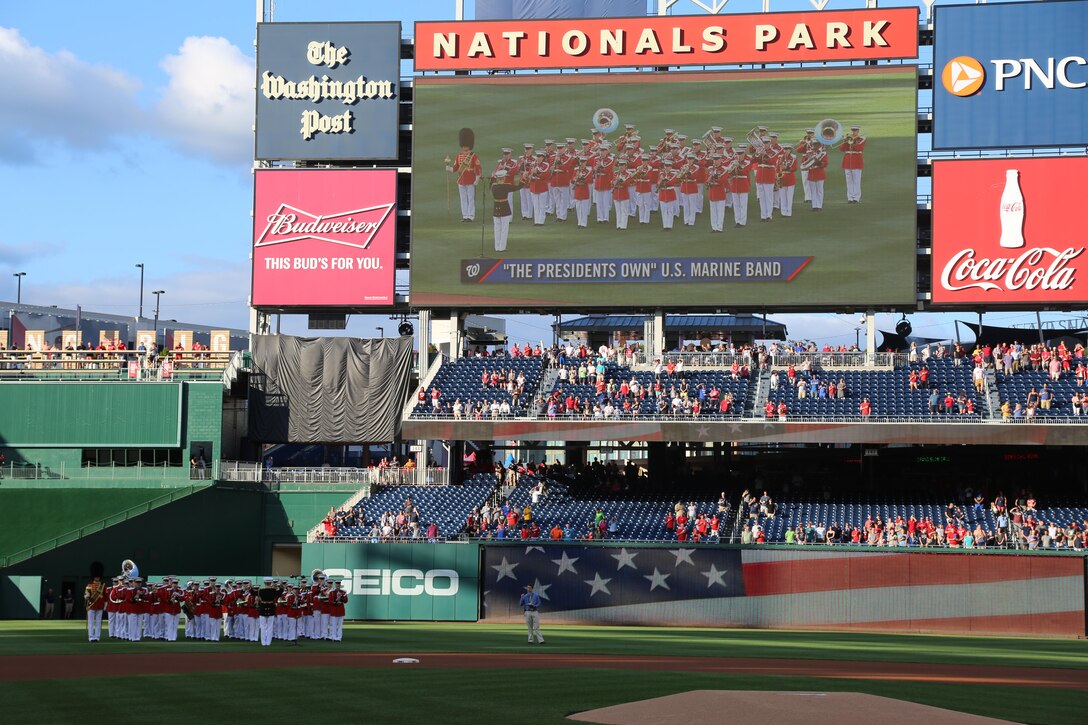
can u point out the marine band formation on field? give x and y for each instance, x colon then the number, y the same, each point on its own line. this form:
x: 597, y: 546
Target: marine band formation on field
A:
x: 284, y: 609
x: 670, y: 179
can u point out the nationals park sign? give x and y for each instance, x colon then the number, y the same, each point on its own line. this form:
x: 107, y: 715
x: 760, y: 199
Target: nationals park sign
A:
x: 829, y: 35
x: 418, y: 581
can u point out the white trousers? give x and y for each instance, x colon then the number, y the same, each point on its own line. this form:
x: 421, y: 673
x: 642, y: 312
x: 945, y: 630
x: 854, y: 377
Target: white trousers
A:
x: 668, y: 213
x: 502, y: 232
x: 765, y: 194
x: 290, y: 629
x: 266, y: 630
x: 117, y: 625
x: 622, y: 213
x: 740, y: 207
x: 532, y: 623
x: 691, y: 208
x: 853, y: 184
x: 526, y: 203
x: 717, y: 215
x: 540, y: 208
x: 323, y: 627
x: 804, y: 183
x: 817, y: 193
x: 581, y: 211
x: 94, y: 625
x: 644, y: 201
x: 603, y: 200
x: 190, y: 627
x: 468, y: 200
x: 336, y: 628
x: 785, y: 199
x: 561, y: 201
x: 171, y: 632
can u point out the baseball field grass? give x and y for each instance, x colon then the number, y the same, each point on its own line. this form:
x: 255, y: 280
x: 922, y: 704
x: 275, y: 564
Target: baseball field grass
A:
x: 500, y: 676
x: 861, y: 253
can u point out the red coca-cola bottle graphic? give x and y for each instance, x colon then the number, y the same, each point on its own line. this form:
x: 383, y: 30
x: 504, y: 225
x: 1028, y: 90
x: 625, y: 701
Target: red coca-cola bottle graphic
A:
x: 1012, y: 211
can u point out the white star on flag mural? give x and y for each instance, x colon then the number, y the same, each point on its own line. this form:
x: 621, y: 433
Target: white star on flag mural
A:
x: 714, y: 576
x: 625, y: 558
x: 657, y: 579
x: 566, y: 563
x: 682, y: 555
x: 505, y: 569
x: 530, y: 549
x: 598, y: 584
x: 702, y: 431
x: 541, y: 589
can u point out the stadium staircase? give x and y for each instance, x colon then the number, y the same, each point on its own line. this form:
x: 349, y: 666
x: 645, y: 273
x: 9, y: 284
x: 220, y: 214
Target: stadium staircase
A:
x: 993, y: 400
x: 754, y: 403
x: 174, y: 494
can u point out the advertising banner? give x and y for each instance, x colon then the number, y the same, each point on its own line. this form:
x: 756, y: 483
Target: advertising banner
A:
x: 611, y: 584
x: 328, y: 90
x: 671, y: 189
x: 1011, y: 75
x: 324, y: 237
x: 675, y: 40
x: 1009, y: 231
x: 420, y: 582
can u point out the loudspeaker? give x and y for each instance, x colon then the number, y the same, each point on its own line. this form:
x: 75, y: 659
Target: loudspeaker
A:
x: 406, y: 329
x: 903, y: 328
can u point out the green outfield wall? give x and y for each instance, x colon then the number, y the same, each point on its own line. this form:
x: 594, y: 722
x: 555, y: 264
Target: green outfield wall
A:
x: 417, y: 582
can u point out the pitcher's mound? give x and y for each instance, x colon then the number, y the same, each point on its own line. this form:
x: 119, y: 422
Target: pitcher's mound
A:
x: 761, y: 706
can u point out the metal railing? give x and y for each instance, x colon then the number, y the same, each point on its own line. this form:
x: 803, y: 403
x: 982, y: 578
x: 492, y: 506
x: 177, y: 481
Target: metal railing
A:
x: 248, y: 471
x: 23, y: 471
x: 111, y: 365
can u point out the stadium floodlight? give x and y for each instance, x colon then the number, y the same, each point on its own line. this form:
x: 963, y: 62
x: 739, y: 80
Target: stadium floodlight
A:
x: 158, y: 296
x: 19, y: 293
x: 140, y: 314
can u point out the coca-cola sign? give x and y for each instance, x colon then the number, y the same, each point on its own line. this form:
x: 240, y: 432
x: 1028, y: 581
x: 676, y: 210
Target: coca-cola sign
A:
x: 1006, y: 231
x: 324, y: 238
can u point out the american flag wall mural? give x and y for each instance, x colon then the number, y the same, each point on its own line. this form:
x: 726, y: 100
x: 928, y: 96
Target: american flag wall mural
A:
x: 817, y: 588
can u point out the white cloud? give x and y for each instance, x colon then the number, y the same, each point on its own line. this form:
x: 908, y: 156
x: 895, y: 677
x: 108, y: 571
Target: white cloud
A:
x: 58, y: 97
x: 14, y: 255
x: 207, y: 106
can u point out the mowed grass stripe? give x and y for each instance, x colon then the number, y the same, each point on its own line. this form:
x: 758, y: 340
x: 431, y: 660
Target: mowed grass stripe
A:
x: 450, y: 696
x: 18, y: 638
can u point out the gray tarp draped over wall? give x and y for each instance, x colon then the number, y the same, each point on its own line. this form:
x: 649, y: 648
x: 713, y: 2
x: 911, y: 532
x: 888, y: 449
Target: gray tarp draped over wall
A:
x: 327, y: 389
x: 547, y: 9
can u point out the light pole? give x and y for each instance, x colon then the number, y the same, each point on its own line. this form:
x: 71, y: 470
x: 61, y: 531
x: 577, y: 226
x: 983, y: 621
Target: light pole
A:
x: 140, y: 316
x: 19, y: 294
x: 381, y: 331
x: 158, y: 295
x: 857, y: 337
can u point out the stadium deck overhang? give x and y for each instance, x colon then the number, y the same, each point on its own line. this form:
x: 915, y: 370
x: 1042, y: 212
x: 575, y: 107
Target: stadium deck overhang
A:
x: 714, y: 326
x: 752, y: 431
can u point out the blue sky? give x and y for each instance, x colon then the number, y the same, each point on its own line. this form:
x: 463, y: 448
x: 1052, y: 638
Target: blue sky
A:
x: 125, y: 138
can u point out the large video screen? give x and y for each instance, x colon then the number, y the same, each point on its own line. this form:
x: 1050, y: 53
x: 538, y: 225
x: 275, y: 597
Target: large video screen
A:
x: 641, y: 200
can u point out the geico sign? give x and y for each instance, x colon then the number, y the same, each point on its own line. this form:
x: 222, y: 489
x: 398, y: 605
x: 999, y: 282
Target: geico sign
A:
x: 401, y: 582
x: 963, y: 76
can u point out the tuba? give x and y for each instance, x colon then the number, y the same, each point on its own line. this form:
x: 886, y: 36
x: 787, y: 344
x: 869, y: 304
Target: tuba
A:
x: 316, y: 574
x: 755, y: 141
x: 129, y: 569
x: 829, y: 131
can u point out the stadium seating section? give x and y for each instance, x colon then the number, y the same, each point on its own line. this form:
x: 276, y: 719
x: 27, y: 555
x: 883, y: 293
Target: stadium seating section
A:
x: 447, y: 506
x: 462, y: 380
x: 1016, y: 387
x: 640, y: 518
x: 707, y: 379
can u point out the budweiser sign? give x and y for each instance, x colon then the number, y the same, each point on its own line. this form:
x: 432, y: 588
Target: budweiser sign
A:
x: 324, y: 238
x: 1005, y: 231
x: 288, y: 224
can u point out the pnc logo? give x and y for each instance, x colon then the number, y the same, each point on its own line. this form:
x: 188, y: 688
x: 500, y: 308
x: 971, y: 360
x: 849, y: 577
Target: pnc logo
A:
x: 963, y: 76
